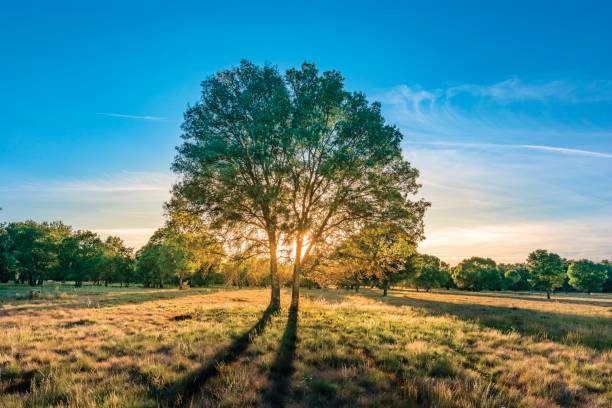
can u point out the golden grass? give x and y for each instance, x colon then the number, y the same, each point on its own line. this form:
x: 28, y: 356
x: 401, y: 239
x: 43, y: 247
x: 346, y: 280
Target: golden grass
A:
x: 138, y: 347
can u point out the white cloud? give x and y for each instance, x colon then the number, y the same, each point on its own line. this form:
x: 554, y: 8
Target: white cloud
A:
x: 547, y: 149
x: 516, y: 90
x: 502, y: 182
x: 127, y: 204
x: 124, y: 116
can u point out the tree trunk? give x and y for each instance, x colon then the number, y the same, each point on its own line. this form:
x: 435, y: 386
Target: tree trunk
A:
x: 356, y: 288
x: 297, y: 266
x: 385, y: 289
x: 547, y: 294
x: 275, y: 282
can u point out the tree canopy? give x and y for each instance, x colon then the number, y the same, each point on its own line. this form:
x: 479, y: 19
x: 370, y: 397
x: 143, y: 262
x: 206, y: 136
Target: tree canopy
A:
x: 546, y: 269
x: 295, y: 155
x: 477, y: 273
x: 587, y: 276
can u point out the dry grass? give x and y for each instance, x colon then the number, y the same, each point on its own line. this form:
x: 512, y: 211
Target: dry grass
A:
x: 137, y: 347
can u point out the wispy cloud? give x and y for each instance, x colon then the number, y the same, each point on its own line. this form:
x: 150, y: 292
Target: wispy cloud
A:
x: 138, y: 117
x: 547, y: 149
x: 124, y: 182
x: 127, y: 204
x: 503, y: 177
x: 514, y: 89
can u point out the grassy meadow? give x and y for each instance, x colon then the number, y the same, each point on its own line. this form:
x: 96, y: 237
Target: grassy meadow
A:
x: 136, y: 347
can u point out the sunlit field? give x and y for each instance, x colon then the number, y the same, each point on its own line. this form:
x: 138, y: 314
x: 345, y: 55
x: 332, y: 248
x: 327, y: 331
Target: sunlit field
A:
x: 140, y: 347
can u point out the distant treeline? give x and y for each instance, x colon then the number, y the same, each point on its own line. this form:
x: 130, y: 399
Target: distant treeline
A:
x: 32, y: 252
x: 543, y: 271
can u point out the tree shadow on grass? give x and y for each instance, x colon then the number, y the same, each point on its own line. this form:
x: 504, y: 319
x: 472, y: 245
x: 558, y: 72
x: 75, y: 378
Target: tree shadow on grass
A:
x: 182, y: 393
x: 570, y: 329
x: 101, y: 300
x: 282, y: 367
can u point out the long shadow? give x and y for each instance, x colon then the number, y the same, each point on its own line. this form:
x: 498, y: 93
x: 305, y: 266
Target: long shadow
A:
x: 101, y: 300
x: 182, y: 393
x: 589, y: 331
x: 282, y: 367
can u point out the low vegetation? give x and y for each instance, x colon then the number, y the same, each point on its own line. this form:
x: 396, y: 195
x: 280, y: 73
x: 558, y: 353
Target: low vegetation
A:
x: 134, y: 346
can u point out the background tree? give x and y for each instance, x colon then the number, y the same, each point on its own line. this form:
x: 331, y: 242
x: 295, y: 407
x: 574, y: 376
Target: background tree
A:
x: 233, y: 162
x: 79, y: 257
x: 116, y: 262
x: 477, y: 274
x: 587, y: 276
x: 546, y: 269
x: 205, y: 252
x: 346, y: 167
x: 165, y: 258
x: 427, y: 272
x: 381, y: 250
x: 607, y: 287
x: 266, y: 153
x: 516, y: 277
x: 33, y: 249
x: 175, y: 253
x: 6, y: 257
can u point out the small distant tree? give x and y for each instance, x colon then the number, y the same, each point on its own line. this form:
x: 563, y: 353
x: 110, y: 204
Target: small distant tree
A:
x: 382, y: 251
x: 607, y: 287
x: 447, y: 281
x: 547, y: 271
x: 6, y: 258
x: 516, y: 277
x: 477, y: 274
x: 427, y: 272
x: 344, y: 269
x: 587, y: 276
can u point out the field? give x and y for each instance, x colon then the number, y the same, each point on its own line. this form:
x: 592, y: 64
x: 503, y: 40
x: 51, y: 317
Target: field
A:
x: 116, y: 347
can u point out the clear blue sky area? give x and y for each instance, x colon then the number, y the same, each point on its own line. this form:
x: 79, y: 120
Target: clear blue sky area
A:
x: 506, y: 106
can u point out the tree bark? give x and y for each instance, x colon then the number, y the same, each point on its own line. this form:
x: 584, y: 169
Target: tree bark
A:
x: 297, y: 266
x: 385, y: 289
x: 275, y: 282
x: 547, y: 294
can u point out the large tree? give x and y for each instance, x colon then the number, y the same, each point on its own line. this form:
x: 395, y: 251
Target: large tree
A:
x: 346, y: 167
x: 267, y: 154
x: 546, y: 270
x: 587, y: 276
x: 233, y: 160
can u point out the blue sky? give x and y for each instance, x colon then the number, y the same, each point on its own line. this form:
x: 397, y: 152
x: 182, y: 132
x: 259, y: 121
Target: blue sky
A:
x: 505, y: 107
